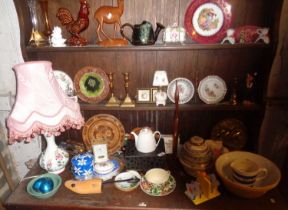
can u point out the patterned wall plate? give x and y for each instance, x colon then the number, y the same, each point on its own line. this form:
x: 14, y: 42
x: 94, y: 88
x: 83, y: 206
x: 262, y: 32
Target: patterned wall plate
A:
x: 91, y: 84
x: 104, y: 129
x: 232, y: 132
x: 186, y: 90
x: 212, y: 89
x: 64, y: 81
x: 206, y: 21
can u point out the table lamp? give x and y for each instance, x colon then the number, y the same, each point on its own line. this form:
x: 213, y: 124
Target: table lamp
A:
x: 42, y: 107
x: 160, y: 80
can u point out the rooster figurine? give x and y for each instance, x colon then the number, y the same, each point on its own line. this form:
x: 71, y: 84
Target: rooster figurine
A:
x: 75, y: 27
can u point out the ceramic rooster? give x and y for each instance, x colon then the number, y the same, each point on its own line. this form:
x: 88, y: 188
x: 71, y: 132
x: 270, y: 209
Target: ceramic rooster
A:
x: 75, y: 27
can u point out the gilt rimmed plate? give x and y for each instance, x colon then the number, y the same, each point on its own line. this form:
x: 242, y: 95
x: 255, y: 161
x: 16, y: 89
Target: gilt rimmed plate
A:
x: 65, y: 82
x: 104, y: 129
x: 212, y: 89
x: 206, y: 21
x: 186, y: 90
x: 91, y: 84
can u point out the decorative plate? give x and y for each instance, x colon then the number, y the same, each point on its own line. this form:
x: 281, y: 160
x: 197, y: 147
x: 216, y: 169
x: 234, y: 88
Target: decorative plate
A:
x: 148, y: 188
x: 232, y: 132
x: 65, y: 82
x: 206, y: 21
x: 212, y: 89
x: 104, y: 129
x: 186, y: 90
x: 91, y: 84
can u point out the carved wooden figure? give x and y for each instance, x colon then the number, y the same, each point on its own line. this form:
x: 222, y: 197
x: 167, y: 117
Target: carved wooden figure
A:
x: 75, y: 27
x: 109, y: 15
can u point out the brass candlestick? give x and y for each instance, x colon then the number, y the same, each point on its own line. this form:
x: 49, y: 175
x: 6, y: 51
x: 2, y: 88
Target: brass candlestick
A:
x: 128, y: 102
x: 113, y: 101
x: 234, y: 96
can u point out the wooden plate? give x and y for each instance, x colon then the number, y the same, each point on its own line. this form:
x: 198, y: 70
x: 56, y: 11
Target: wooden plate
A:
x: 104, y: 129
x: 91, y: 84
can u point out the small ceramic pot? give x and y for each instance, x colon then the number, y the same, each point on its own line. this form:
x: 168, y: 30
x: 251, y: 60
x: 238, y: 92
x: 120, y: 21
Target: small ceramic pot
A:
x: 82, y: 166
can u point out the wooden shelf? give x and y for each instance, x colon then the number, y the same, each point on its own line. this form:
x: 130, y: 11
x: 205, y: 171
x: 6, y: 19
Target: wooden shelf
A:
x: 157, y: 47
x: 171, y: 107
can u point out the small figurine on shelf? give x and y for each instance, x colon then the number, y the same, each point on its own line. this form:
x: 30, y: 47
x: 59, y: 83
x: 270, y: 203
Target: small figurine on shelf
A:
x: 109, y: 15
x: 234, y: 95
x: 249, y: 90
x: 247, y: 35
x: 75, y: 27
x: 57, y: 40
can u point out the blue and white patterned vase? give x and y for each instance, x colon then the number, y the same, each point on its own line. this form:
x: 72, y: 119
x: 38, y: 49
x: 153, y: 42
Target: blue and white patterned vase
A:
x: 82, y: 166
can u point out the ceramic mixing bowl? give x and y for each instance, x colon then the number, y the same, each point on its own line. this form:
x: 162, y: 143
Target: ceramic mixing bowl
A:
x: 224, y: 170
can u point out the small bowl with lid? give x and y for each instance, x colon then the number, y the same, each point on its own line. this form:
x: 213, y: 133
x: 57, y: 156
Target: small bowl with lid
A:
x: 195, y: 156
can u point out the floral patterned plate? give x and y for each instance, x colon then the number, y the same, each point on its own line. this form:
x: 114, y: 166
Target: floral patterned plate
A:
x: 206, y: 21
x: 91, y: 84
x: 186, y: 90
x: 212, y: 89
x: 64, y: 81
x: 158, y: 190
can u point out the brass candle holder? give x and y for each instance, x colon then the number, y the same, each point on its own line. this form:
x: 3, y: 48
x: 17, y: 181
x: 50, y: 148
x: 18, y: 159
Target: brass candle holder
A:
x: 128, y: 102
x: 113, y: 101
x: 234, y: 96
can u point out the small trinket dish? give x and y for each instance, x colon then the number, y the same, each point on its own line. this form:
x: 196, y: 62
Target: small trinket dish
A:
x: 174, y: 34
x: 127, y: 186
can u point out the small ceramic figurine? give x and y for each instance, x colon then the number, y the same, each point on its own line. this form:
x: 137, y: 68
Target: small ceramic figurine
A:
x: 246, y: 35
x: 249, y: 91
x: 230, y: 36
x: 57, y: 40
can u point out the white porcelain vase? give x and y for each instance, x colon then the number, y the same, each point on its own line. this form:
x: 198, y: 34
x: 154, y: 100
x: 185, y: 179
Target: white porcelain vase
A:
x: 54, y: 158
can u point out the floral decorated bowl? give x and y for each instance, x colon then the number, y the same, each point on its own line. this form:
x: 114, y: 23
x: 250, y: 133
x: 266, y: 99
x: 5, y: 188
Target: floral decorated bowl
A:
x: 158, y: 189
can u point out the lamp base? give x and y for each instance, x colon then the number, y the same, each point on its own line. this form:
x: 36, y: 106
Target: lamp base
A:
x: 161, y: 98
x: 54, y: 158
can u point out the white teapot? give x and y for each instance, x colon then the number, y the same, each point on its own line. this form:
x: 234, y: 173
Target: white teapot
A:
x: 145, y: 142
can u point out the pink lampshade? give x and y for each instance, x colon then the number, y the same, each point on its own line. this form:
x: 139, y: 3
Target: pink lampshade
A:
x: 41, y: 106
